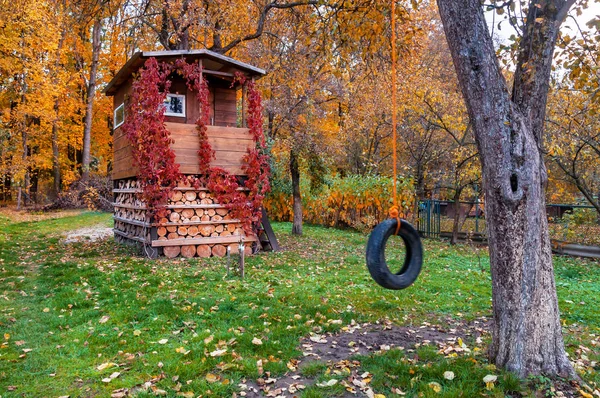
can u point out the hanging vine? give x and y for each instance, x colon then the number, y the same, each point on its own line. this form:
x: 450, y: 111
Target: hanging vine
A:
x: 156, y: 160
x: 150, y: 140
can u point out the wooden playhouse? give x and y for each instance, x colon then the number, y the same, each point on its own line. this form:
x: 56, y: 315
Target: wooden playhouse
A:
x: 194, y: 223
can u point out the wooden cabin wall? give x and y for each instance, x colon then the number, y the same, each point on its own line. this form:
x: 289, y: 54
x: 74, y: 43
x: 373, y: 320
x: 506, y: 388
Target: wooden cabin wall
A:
x: 230, y: 145
x: 123, y: 159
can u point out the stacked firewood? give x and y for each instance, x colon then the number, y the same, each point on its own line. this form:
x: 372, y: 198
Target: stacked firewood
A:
x: 132, y: 231
x: 203, y: 218
x: 194, y: 221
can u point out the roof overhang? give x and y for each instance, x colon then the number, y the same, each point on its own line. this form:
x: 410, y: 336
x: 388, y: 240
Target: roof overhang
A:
x: 216, y: 62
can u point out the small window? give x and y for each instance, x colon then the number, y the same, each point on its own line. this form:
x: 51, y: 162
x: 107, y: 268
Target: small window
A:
x: 175, y: 105
x: 119, y: 116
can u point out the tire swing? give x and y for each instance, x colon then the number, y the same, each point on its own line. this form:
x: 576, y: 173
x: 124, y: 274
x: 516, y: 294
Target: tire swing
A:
x: 395, y: 225
x: 376, y: 263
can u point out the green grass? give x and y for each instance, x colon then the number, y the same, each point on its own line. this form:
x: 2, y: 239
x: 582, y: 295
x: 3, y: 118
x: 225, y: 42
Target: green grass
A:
x: 82, y: 305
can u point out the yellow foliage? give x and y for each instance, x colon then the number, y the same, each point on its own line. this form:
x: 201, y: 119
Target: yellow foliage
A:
x: 359, y: 202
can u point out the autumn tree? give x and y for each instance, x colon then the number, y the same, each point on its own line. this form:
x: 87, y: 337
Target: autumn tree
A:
x: 509, y: 128
x: 573, y: 127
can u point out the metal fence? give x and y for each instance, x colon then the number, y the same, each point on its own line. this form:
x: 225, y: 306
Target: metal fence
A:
x: 572, y: 226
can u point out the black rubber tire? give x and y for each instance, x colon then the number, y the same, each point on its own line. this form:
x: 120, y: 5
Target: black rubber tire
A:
x: 376, y: 263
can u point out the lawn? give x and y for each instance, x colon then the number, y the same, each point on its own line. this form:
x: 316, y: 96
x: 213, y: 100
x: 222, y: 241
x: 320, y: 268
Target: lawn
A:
x: 96, y: 319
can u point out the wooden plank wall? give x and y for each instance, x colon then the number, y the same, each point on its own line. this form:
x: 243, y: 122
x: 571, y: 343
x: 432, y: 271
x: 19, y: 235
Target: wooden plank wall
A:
x: 225, y: 107
x: 230, y: 145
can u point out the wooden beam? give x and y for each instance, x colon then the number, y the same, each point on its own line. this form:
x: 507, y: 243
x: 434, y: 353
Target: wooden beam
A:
x: 204, y: 241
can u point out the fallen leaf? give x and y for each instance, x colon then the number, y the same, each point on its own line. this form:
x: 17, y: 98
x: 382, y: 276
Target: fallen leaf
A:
x: 163, y: 341
x: 317, y: 339
x: 218, y: 353
x: 256, y: 341
x: 330, y: 383
x: 585, y: 394
x: 104, y: 319
x: 209, y: 339
x: 46, y: 309
x: 182, y: 350
x: 137, y: 332
x: 449, y: 375
x: 435, y: 386
x: 212, y: 378
x: 105, y: 365
x: 489, y: 381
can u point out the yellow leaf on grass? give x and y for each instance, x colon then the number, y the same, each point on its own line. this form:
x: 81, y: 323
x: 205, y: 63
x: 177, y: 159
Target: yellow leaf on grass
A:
x: 106, y: 365
x: 585, y: 394
x: 137, y: 332
x: 6, y: 336
x: 435, y: 386
x: 489, y: 381
x: 212, y: 378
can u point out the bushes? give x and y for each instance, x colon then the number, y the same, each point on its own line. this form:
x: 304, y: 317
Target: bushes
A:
x: 358, y: 202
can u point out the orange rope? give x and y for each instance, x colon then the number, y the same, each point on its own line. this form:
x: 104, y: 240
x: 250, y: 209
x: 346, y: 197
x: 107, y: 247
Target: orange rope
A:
x: 394, y: 211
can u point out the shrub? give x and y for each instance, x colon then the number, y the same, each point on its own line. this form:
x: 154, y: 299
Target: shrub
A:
x: 358, y: 202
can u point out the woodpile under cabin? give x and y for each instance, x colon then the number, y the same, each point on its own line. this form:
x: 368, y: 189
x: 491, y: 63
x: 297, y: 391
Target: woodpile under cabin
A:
x: 189, y: 168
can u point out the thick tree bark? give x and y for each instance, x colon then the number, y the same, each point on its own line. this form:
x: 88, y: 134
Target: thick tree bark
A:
x: 91, y: 93
x: 297, y: 198
x: 526, y: 334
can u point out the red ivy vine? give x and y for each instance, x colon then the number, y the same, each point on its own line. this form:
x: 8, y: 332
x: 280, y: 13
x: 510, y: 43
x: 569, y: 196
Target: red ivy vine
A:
x: 155, y: 159
x: 150, y: 140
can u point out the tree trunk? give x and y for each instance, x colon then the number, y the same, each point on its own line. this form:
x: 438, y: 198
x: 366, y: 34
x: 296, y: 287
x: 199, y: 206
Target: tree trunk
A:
x: 455, y: 223
x: 55, y: 149
x: 91, y: 93
x: 22, y: 195
x: 297, y: 199
x: 526, y: 333
x: 55, y: 154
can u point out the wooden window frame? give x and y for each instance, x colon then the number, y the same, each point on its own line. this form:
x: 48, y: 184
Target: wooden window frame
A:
x: 117, y: 124
x: 180, y: 96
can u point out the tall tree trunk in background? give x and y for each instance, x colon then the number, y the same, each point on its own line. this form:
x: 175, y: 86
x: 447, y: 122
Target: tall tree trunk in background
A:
x: 55, y: 149
x: 22, y: 194
x: 90, y: 94
x: 55, y: 153
x: 456, y: 221
x: 526, y: 333
x: 297, y: 199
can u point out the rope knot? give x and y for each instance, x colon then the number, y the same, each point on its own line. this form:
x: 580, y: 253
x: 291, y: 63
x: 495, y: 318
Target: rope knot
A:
x: 394, y: 212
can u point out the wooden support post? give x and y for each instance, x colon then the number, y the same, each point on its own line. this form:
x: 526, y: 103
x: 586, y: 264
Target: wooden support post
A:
x: 151, y: 252
x: 269, y: 231
x: 241, y: 250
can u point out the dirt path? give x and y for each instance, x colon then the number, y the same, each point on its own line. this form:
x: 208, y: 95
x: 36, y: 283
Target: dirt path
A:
x: 336, y: 351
